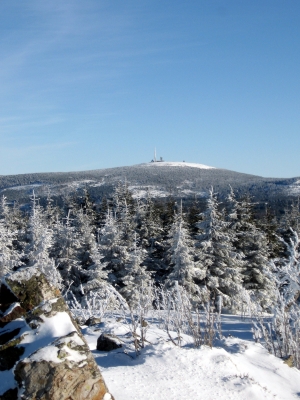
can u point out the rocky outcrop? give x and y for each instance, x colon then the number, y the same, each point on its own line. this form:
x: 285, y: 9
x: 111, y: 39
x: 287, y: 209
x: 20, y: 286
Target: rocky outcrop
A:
x: 92, y: 321
x: 69, y: 372
x: 108, y: 342
x: 43, y: 354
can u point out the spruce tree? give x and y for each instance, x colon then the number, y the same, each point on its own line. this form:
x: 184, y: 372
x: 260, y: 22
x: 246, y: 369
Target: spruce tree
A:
x: 111, y: 246
x: 52, y: 213
x: 252, y: 244
x: 181, y: 257
x: 10, y: 258
x: 65, y: 249
x: 135, y: 275
x: 151, y: 224
x: 288, y: 273
x: 221, y: 263
x: 168, y: 215
x: 268, y: 224
x: 125, y: 213
x: 290, y: 219
x: 41, y: 241
x: 193, y: 217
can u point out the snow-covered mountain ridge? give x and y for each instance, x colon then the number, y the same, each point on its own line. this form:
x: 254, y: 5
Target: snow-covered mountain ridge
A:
x: 178, y: 164
x: 159, y: 179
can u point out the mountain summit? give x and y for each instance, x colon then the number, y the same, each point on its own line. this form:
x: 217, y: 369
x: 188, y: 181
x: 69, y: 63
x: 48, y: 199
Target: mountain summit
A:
x: 158, y: 179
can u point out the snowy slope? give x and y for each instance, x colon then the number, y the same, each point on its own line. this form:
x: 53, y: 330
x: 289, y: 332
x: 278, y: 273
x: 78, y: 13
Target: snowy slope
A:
x: 179, y: 179
x: 235, y: 369
x: 178, y: 164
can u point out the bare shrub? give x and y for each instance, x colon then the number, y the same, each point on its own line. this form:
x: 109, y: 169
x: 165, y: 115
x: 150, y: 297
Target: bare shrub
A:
x: 180, y: 313
x: 280, y: 333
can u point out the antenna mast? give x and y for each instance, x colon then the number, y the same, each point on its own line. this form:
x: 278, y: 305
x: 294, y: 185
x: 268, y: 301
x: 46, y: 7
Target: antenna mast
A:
x: 154, y: 154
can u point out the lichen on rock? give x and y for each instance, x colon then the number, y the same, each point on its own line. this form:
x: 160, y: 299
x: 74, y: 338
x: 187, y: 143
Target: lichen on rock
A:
x: 31, y: 287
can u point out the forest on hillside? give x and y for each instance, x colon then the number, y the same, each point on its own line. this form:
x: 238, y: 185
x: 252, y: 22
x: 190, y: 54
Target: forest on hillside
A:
x: 192, y: 260
x: 214, y: 250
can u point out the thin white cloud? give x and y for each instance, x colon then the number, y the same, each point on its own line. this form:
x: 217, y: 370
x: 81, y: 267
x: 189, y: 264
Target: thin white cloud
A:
x: 18, y: 121
x: 25, y: 149
x: 116, y: 43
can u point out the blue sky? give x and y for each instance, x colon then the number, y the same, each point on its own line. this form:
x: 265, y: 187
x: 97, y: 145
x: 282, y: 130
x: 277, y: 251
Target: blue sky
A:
x: 96, y: 84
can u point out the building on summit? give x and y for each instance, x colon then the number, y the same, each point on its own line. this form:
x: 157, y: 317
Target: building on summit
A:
x: 155, y: 159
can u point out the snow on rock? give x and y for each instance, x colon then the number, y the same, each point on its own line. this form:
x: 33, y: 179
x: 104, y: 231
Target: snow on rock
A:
x: 48, y: 329
x: 24, y: 274
x: 11, y: 308
x: 62, y: 370
x: 43, y: 354
x: 53, y: 351
x: 179, y: 164
x: 12, y: 312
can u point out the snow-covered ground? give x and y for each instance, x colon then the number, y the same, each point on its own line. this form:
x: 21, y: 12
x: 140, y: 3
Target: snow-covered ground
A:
x: 236, y: 368
x: 24, y: 187
x: 294, y: 189
x: 179, y: 164
x: 144, y: 191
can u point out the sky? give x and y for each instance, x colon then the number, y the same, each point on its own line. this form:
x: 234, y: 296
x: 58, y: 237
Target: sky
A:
x: 98, y: 84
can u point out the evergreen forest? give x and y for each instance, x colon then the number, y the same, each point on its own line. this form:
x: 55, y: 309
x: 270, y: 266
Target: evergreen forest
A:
x: 217, y: 251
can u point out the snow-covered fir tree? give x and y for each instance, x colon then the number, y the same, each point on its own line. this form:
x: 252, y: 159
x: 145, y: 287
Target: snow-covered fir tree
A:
x: 288, y: 271
x: 168, y: 214
x: 289, y: 220
x: 91, y: 269
x: 268, y: 224
x: 52, y: 212
x: 252, y: 245
x: 88, y: 207
x: 193, y: 217
x: 41, y: 240
x: 9, y: 256
x: 114, y: 252
x: 151, y: 224
x: 90, y: 246
x: 292, y: 216
x: 125, y: 213
x: 65, y: 249
x: 135, y: 275
x: 181, y: 256
x: 151, y: 232
x: 102, y: 213
x: 222, y: 264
